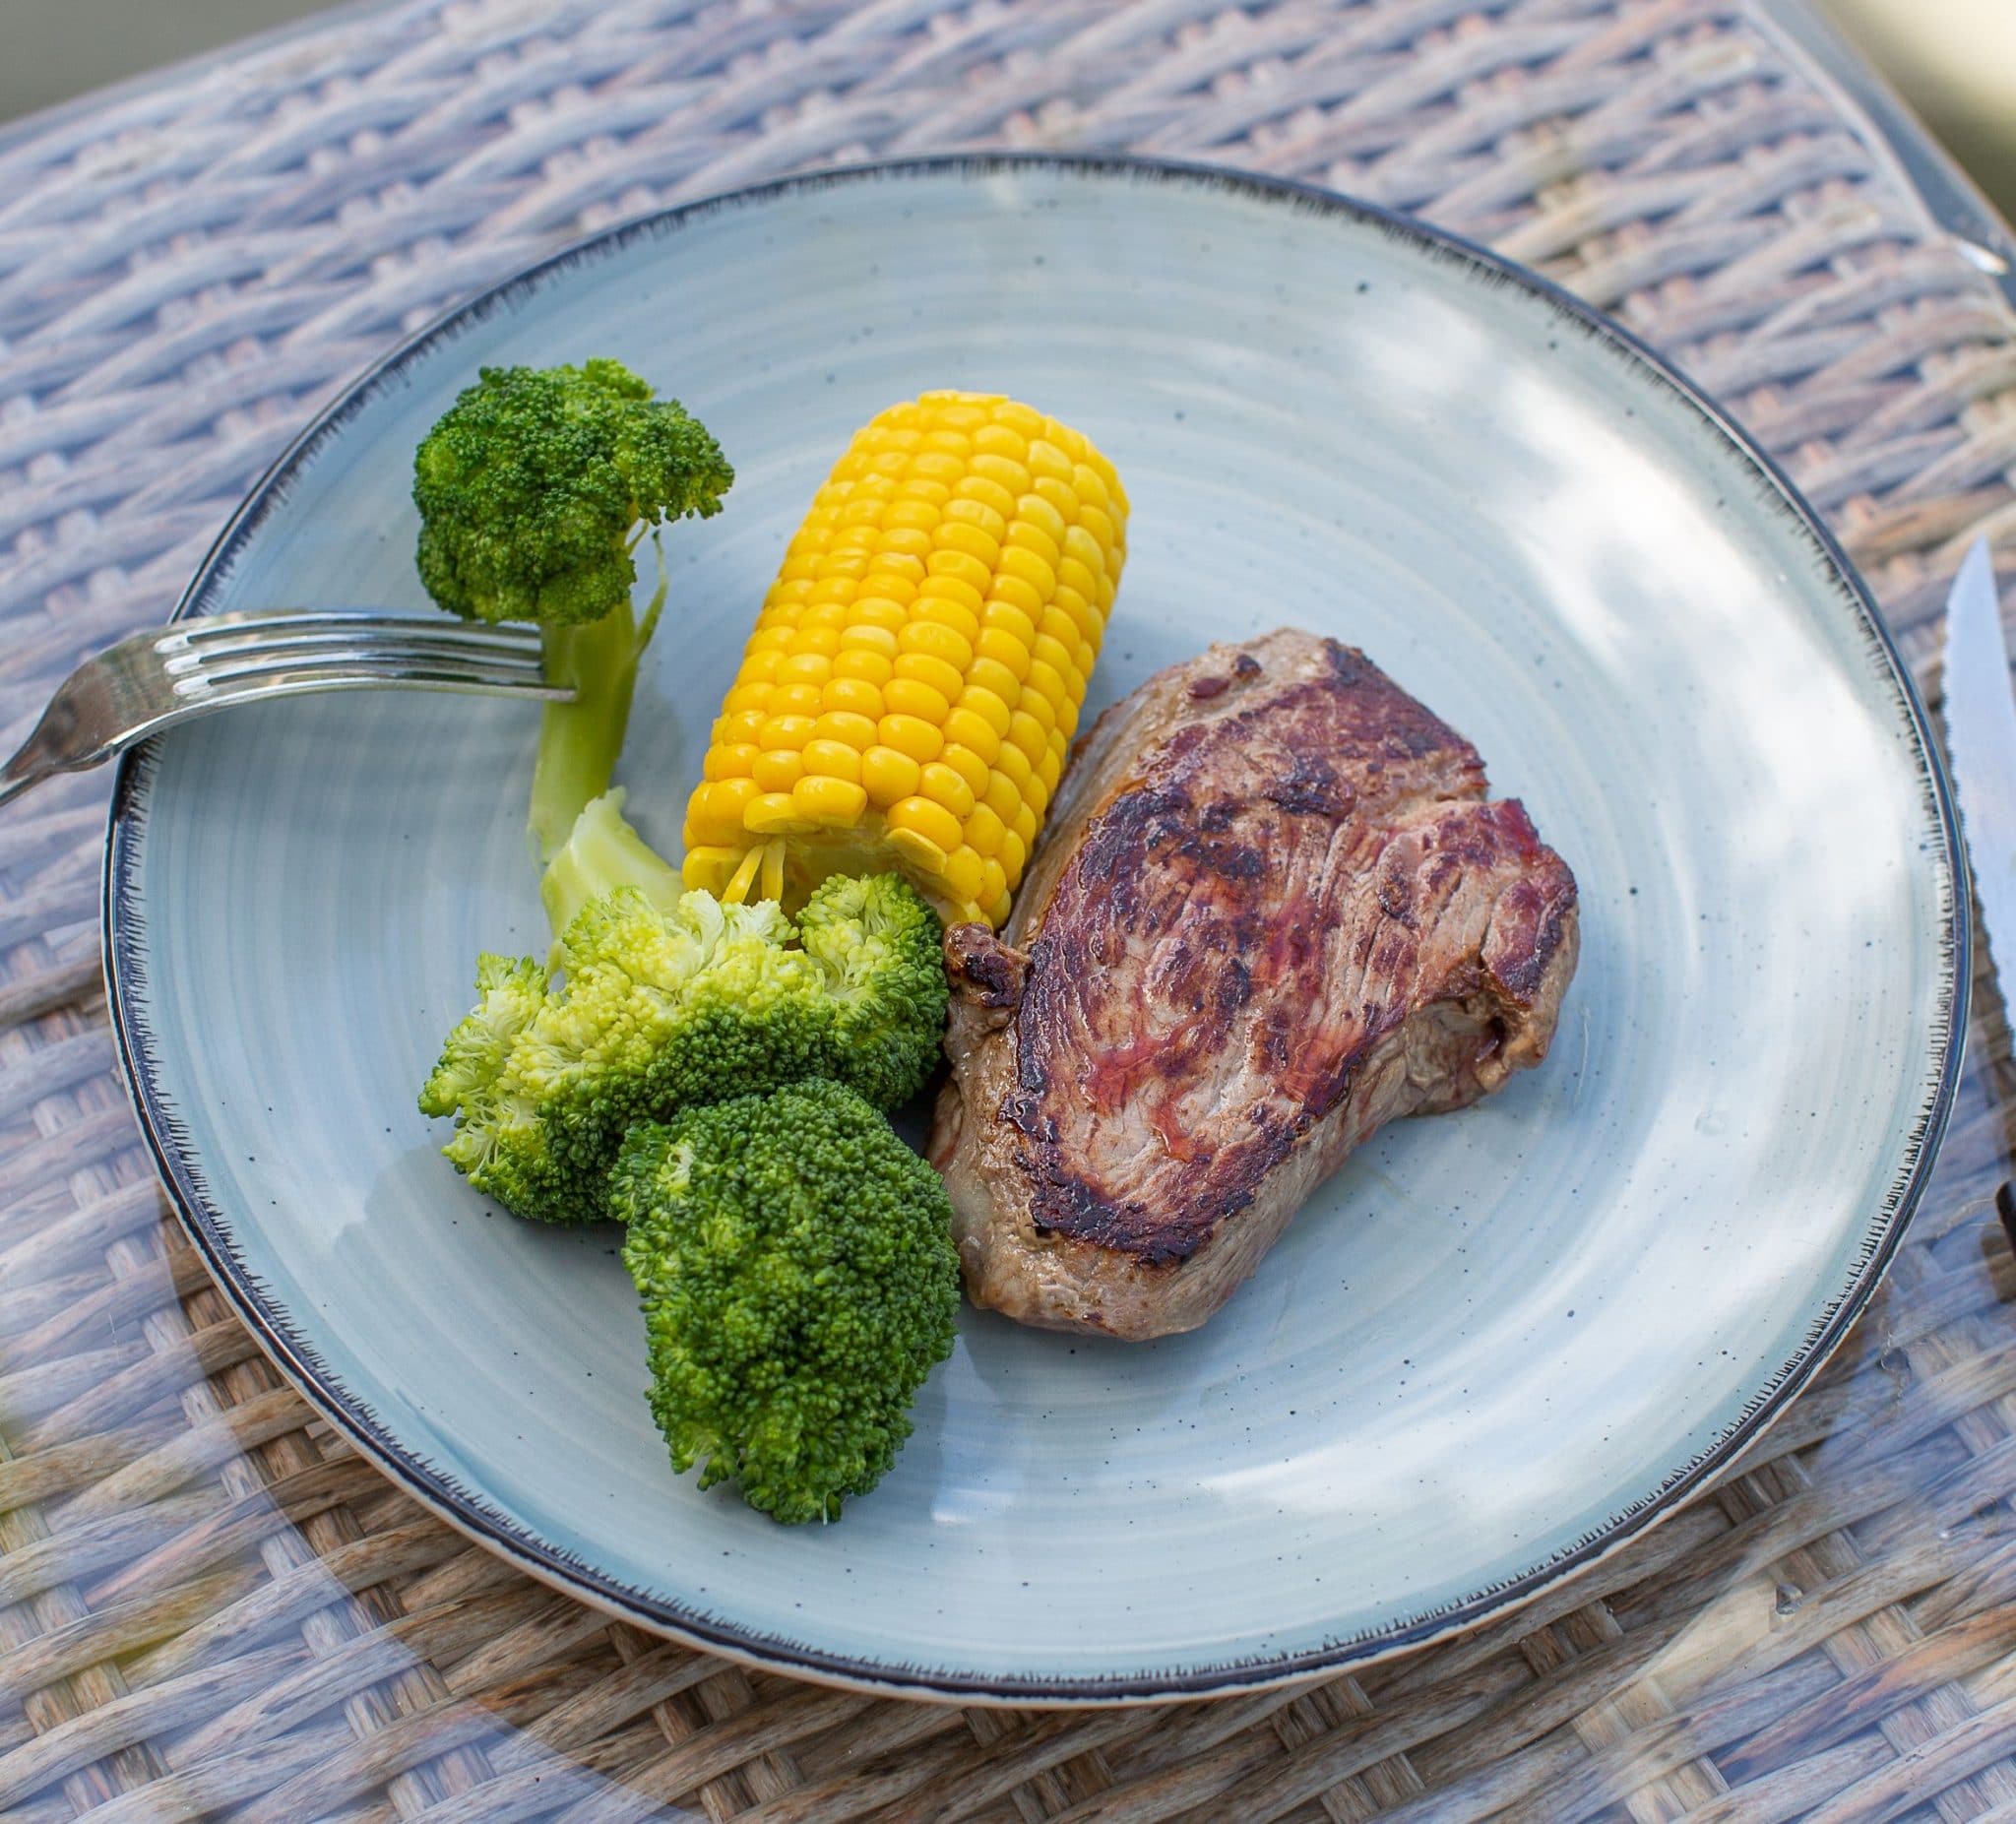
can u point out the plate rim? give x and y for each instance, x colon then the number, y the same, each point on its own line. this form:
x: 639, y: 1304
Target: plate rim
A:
x: 122, y: 928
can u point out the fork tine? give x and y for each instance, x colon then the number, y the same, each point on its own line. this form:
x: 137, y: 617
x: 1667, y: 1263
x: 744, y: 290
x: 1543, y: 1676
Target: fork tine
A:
x: 285, y: 680
x: 388, y: 662
x: 361, y: 623
x: 228, y: 657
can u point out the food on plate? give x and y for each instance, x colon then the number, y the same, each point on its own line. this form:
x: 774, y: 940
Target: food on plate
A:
x: 661, y: 1006
x: 1275, y: 911
x: 910, y: 692
x: 535, y: 488
x: 702, y: 1067
x: 795, y: 1264
x: 603, y: 851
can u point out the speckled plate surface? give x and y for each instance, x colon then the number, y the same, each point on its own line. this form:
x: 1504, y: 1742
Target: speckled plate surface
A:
x: 1497, y: 1343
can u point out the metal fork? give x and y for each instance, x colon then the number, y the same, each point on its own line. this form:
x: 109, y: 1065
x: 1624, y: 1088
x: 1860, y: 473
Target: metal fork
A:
x: 151, y: 681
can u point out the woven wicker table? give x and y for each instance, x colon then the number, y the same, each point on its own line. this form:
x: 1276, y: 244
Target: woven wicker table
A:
x: 208, y: 1607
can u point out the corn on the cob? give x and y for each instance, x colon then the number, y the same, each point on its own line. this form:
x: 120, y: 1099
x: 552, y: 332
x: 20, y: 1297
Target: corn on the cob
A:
x: 916, y: 675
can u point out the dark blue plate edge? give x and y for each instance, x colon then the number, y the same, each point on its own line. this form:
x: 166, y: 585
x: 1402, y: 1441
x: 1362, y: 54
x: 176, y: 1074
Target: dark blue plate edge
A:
x: 461, y: 1507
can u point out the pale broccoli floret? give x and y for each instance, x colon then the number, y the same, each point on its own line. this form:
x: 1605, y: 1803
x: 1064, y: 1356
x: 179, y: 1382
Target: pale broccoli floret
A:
x: 798, y: 1279
x: 660, y: 1009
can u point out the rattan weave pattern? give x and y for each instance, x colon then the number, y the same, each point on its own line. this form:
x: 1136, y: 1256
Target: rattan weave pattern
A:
x: 209, y: 1607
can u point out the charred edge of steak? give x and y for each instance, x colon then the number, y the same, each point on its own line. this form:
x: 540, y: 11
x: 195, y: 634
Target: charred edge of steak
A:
x: 981, y: 969
x: 1527, y: 927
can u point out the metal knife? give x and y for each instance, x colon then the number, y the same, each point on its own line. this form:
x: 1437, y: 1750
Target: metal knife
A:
x: 1980, y: 738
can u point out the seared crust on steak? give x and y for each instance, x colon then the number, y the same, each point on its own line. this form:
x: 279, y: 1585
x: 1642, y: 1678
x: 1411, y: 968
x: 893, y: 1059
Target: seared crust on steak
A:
x: 1274, y: 911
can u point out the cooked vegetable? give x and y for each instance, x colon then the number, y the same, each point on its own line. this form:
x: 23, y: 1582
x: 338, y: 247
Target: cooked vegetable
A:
x: 602, y: 852
x: 665, y: 1006
x: 909, y: 695
x: 535, y: 488
x: 798, y: 1279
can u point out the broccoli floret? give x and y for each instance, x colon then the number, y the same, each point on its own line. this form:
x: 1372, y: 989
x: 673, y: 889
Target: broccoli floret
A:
x: 799, y: 1278
x: 532, y: 484
x: 662, y: 1008
x: 533, y: 490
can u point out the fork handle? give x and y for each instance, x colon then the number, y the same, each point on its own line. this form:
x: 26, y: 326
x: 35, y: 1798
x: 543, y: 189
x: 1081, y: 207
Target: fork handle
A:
x: 52, y: 746
x: 19, y: 773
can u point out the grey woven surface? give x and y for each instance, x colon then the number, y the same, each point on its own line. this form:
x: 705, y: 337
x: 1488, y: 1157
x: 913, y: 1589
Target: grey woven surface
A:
x: 210, y: 1608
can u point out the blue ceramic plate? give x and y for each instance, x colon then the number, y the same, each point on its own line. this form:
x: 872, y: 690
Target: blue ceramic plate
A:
x: 1498, y: 1343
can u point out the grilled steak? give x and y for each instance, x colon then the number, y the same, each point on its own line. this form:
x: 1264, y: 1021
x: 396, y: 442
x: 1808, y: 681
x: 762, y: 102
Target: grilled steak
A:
x: 1274, y: 911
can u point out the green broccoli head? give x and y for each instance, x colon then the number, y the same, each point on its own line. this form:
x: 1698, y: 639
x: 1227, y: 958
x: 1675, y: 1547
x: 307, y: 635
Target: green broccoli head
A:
x: 798, y: 1279
x: 662, y: 1009
x: 530, y: 483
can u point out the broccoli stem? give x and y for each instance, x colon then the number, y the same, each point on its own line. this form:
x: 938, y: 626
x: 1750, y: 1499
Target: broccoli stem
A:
x: 579, y: 740
x: 602, y: 852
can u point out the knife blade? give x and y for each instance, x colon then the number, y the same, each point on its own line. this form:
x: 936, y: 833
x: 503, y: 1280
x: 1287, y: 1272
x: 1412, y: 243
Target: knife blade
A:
x: 1980, y: 738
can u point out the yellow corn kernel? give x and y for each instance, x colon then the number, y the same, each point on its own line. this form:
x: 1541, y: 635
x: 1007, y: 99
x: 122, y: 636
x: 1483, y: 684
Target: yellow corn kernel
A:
x: 717, y: 810
x: 1045, y: 682
x: 907, y: 696
x: 924, y: 856
x: 779, y: 770
x: 987, y: 673
x: 966, y: 728
x: 944, y: 585
x: 855, y: 695
x: 990, y: 706
x: 978, y: 489
x: 941, y: 674
x: 928, y: 818
x: 920, y: 661
x: 947, y: 612
x: 912, y: 736
x: 1051, y: 649
x: 1028, y: 536
x: 773, y: 814
x: 984, y: 830
x: 826, y: 758
x: 888, y: 775
x: 969, y: 767
x: 964, y: 872
x: 792, y: 732
x: 919, y: 514
x: 980, y: 547
x: 1001, y: 795
x: 866, y: 637
x: 935, y: 640
x: 856, y: 731
x: 944, y: 784
x: 835, y: 802
x: 1001, y: 438
x: 714, y: 866
x: 1029, y: 731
